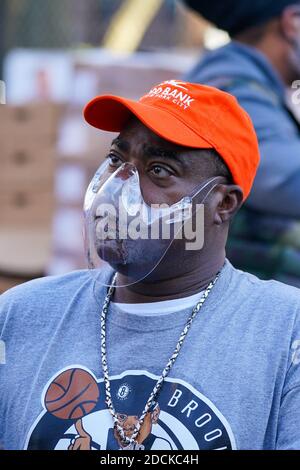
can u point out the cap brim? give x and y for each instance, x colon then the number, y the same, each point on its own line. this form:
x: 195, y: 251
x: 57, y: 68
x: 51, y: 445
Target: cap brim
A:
x: 112, y: 113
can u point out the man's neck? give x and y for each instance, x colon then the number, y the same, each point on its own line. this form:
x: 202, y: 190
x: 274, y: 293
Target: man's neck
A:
x: 279, y: 63
x: 175, y: 287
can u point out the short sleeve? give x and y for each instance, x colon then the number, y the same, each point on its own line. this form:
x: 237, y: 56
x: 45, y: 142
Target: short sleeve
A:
x: 288, y: 433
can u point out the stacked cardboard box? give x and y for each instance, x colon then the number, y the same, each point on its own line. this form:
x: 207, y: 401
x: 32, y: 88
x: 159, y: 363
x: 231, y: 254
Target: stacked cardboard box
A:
x: 28, y: 137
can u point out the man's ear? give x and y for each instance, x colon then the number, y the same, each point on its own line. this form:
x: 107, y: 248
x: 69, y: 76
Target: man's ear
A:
x: 229, y: 199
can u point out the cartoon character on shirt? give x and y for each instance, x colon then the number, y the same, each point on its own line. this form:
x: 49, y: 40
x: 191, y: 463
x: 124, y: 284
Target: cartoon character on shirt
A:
x: 83, y: 441
x: 74, y: 393
x: 145, y: 437
x: 75, y: 415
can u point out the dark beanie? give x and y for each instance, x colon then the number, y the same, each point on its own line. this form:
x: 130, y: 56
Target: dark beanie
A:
x: 234, y: 16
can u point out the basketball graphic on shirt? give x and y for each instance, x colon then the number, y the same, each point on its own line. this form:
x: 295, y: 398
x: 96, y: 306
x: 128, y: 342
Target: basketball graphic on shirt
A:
x: 180, y: 418
x: 72, y: 394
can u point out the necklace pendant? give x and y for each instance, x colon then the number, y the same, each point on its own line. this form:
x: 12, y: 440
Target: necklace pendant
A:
x: 134, y: 446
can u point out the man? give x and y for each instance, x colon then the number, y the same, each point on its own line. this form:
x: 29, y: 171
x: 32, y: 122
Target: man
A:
x: 216, y: 348
x: 126, y: 405
x: 257, y: 67
x: 146, y: 438
x: 129, y: 407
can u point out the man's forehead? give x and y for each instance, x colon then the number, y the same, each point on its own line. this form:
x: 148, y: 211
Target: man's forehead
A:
x: 136, y: 132
x: 126, y: 143
x: 148, y: 148
x: 152, y: 145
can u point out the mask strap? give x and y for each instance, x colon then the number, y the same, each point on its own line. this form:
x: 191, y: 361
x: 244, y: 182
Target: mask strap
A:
x: 212, y: 180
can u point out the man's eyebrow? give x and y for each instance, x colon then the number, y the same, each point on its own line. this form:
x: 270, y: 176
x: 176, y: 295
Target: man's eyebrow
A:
x: 150, y: 150
x: 123, y: 145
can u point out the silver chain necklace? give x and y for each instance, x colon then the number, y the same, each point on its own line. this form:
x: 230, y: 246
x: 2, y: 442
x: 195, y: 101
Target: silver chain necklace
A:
x: 130, y: 443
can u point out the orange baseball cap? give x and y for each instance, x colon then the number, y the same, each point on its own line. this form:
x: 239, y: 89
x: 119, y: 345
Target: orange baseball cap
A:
x: 190, y: 115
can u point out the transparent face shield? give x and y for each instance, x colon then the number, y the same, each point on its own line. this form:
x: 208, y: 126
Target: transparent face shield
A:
x: 124, y: 233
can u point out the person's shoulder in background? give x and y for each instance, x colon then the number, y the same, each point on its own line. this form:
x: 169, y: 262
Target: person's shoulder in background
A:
x: 233, y: 66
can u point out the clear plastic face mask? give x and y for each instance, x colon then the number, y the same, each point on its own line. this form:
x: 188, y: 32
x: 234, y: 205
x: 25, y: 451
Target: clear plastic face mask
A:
x: 126, y: 234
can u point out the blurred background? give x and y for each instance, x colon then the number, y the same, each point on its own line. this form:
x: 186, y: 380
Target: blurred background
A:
x: 55, y: 55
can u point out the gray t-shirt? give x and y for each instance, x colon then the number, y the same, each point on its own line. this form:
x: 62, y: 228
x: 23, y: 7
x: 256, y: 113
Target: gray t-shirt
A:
x: 235, y: 383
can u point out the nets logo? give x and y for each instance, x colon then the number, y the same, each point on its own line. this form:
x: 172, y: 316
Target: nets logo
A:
x: 123, y: 391
x: 75, y: 415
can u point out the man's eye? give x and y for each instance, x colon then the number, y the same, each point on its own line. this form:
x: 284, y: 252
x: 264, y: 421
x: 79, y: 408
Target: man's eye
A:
x: 122, y: 417
x: 160, y: 172
x: 113, y: 160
